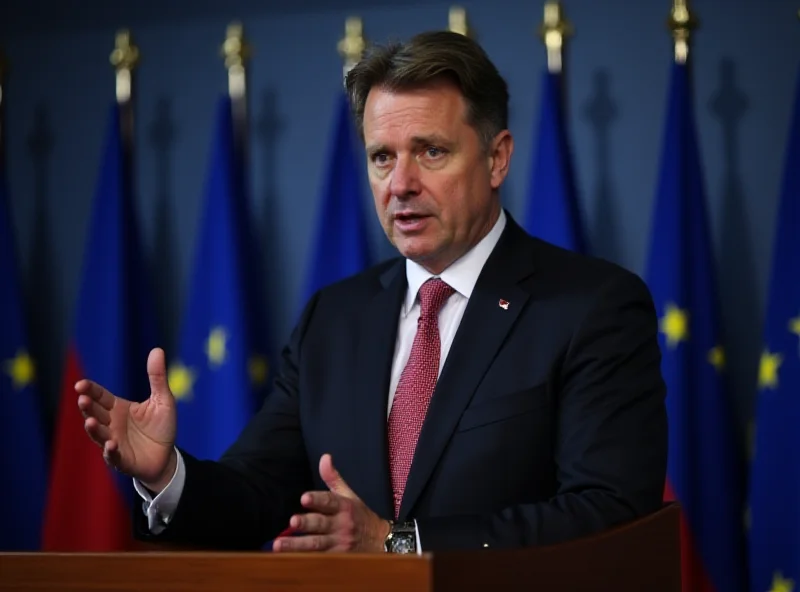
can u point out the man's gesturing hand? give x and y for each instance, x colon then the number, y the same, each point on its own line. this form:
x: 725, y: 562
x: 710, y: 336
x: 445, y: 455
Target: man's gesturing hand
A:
x: 136, y: 438
x: 337, y: 520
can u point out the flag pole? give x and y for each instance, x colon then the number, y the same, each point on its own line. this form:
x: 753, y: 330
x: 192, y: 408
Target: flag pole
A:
x: 237, y: 51
x: 124, y: 58
x: 457, y: 22
x: 681, y: 23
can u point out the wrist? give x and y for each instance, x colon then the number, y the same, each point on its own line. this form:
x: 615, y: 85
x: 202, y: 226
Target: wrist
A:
x: 160, y: 483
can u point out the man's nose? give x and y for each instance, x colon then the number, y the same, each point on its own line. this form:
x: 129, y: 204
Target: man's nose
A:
x: 405, y: 177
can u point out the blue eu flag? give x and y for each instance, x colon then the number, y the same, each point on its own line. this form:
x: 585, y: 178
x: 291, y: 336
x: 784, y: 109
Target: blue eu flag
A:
x: 23, y: 463
x: 220, y: 374
x: 775, y: 473
x: 704, y: 471
x: 553, y: 210
x: 341, y: 243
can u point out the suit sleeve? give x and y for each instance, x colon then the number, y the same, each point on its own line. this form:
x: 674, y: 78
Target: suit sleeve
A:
x: 611, y: 448
x: 247, y: 497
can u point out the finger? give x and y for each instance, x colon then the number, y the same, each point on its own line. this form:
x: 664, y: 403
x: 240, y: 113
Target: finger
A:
x: 321, y: 501
x: 96, y: 392
x: 90, y: 408
x: 99, y: 434
x: 111, y: 454
x: 157, y: 373
x: 312, y: 542
x: 312, y: 523
x: 332, y: 477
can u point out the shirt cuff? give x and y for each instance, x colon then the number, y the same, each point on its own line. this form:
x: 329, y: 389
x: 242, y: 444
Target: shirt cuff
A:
x: 159, y: 510
x: 419, y: 543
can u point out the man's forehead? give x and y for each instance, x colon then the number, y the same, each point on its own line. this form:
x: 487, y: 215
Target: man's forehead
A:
x: 414, y: 115
x: 438, y: 91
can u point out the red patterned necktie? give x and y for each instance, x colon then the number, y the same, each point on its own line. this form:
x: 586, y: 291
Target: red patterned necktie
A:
x: 416, y: 386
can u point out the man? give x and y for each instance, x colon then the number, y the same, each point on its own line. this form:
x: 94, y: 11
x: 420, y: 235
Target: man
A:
x: 486, y: 390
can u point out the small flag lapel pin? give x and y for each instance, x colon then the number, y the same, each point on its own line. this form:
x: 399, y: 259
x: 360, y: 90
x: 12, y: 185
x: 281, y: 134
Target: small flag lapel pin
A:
x: 503, y: 304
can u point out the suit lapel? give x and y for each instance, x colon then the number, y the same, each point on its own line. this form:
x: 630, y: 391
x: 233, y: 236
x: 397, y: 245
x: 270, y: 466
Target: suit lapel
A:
x: 481, y: 333
x: 373, y: 367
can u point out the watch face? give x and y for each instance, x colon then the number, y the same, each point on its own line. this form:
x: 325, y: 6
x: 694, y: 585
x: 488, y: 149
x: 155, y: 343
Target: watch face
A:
x: 403, y: 543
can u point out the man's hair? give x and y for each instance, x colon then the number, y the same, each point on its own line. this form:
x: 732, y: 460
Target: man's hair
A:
x: 428, y: 58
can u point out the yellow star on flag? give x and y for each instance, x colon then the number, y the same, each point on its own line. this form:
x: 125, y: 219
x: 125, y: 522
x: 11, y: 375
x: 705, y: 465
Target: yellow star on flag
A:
x: 258, y: 368
x: 675, y: 325
x: 768, y: 370
x: 180, y: 380
x: 716, y: 357
x: 781, y: 584
x: 21, y: 370
x: 216, y: 346
x: 794, y: 325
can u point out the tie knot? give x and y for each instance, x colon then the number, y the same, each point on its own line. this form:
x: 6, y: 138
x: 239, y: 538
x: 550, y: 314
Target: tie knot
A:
x: 432, y: 295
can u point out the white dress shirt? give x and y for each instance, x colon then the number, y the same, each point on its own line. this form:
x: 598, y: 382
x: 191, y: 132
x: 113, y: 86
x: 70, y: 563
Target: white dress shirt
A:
x: 462, y: 276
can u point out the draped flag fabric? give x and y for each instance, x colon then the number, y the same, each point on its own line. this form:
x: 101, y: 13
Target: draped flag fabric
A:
x: 89, y: 505
x: 341, y: 243
x: 23, y: 463
x: 553, y: 210
x: 220, y: 374
x: 704, y: 472
x: 775, y: 473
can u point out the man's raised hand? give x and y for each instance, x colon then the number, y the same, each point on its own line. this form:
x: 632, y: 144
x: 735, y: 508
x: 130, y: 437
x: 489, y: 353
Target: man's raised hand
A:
x: 137, y: 439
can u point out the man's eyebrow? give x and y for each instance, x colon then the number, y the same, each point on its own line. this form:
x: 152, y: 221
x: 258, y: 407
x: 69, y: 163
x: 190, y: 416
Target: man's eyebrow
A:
x: 376, y: 148
x: 435, y: 139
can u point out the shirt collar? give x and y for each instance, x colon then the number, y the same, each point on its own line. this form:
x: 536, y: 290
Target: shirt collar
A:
x: 462, y: 274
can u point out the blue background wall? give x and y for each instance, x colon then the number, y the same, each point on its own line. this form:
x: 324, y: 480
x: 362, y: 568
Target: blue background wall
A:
x: 746, y: 56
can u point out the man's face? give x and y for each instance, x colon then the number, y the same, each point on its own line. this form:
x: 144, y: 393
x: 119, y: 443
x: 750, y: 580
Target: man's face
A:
x: 435, y: 187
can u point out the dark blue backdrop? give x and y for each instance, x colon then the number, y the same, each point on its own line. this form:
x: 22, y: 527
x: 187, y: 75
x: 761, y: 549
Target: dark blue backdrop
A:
x: 746, y: 54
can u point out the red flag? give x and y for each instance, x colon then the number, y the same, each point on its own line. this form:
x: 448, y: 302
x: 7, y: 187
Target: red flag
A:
x: 85, y: 511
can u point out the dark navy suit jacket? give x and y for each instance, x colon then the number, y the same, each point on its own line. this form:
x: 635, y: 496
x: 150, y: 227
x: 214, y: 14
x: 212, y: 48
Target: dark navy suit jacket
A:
x: 548, y: 421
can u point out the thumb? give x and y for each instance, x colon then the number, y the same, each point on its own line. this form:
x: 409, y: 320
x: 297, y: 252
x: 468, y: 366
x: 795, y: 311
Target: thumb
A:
x: 157, y: 373
x: 333, y: 479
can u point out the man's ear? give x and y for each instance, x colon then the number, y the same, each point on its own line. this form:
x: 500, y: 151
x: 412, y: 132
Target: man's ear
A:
x: 500, y: 157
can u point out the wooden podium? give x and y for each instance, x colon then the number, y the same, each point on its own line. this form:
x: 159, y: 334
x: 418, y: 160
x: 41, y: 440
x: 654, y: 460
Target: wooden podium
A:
x: 642, y: 555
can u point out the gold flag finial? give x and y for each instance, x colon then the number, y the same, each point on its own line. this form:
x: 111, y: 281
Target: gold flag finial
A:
x: 351, y: 47
x: 236, y: 52
x: 681, y: 22
x: 555, y: 28
x: 124, y: 58
x: 457, y: 22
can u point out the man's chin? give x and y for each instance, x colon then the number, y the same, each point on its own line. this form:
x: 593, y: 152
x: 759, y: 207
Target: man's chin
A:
x: 415, y: 250
x: 424, y: 255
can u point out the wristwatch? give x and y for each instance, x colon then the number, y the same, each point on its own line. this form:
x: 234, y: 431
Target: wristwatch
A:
x: 402, y: 538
